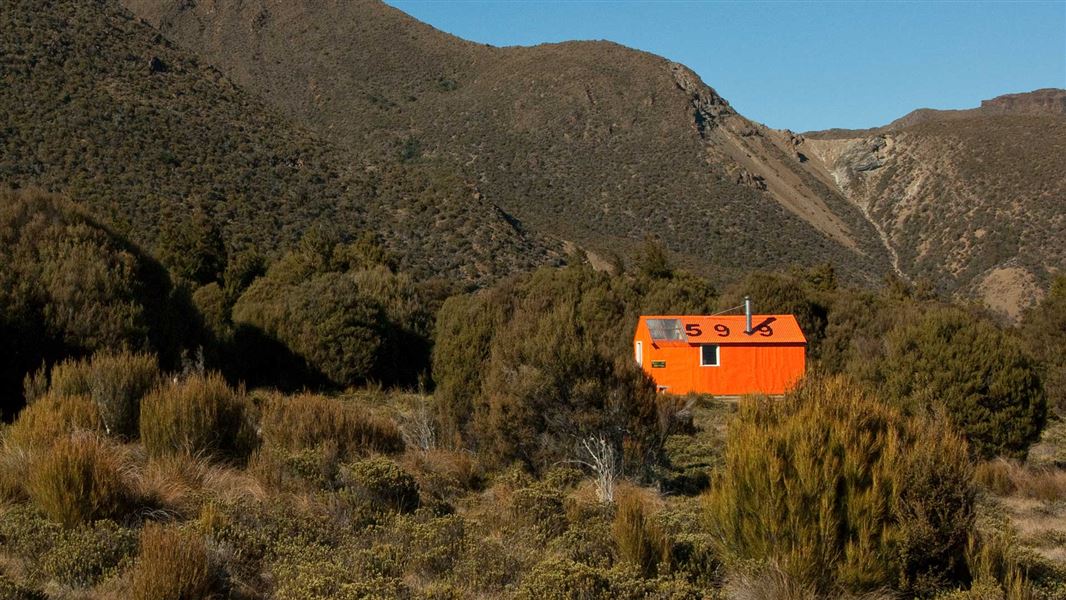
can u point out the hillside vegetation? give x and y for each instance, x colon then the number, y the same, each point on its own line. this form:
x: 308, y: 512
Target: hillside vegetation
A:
x: 602, y: 145
x: 99, y: 106
x: 592, y: 142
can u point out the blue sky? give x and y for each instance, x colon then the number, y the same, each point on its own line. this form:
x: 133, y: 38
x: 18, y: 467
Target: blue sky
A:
x: 802, y: 66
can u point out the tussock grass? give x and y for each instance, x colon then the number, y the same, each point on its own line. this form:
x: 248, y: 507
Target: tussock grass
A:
x: 52, y: 416
x: 308, y: 421
x: 172, y: 564
x: 200, y: 415
x: 80, y: 479
x: 1007, y: 477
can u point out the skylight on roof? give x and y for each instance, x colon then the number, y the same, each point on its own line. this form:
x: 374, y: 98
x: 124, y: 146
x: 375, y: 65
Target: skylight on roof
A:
x: 666, y: 330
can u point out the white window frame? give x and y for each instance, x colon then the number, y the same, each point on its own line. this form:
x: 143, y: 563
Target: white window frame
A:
x: 638, y: 349
x: 717, y: 355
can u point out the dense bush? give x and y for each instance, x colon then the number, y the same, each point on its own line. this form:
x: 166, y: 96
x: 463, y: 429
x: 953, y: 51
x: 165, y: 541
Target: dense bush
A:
x: 79, y: 480
x: 989, y: 387
x: 198, y: 415
x: 528, y: 369
x: 342, y: 311
x: 843, y: 491
x: 775, y: 293
x: 172, y: 564
x: 1044, y: 329
x: 68, y: 286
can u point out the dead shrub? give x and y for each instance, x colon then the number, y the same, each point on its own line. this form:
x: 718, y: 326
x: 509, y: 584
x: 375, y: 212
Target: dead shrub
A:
x: 79, y: 480
x: 306, y: 421
x: 198, y: 415
x: 172, y: 564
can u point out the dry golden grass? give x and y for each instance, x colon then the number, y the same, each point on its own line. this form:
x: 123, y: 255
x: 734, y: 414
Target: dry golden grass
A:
x: 308, y: 420
x: 1005, y: 477
x: 181, y: 484
x: 772, y: 582
x: 51, y: 416
x: 173, y: 564
x: 80, y: 479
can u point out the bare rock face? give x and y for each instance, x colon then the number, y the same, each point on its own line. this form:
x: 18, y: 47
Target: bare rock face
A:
x: 708, y: 106
x: 745, y: 177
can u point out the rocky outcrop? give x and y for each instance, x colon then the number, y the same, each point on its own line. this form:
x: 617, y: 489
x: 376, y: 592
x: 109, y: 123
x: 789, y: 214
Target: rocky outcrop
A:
x: 708, y: 107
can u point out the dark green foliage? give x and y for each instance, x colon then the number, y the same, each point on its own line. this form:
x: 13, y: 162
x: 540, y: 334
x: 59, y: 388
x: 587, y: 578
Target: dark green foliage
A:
x: 1044, y: 331
x: 192, y: 247
x: 843, y: 491
x: 773, y: 293
x: 979, y: 375
x: 653, y: 261
x: 69, y: 286
x: 528, y: 369
x: 342, y: 311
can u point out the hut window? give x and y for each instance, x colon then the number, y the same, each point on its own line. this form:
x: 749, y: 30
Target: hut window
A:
x: 639, y: 351
x: 709, y: 355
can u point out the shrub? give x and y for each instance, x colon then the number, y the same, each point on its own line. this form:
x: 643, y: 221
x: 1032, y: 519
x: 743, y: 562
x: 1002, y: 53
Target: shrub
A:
x: 73, y: 287
x: 79, y: 480
x: 384, y: 483
x: 83, y: 556
x: 307, y: 421
x: 118, y: 382
x: 541, y: 510
x: 200, y: 414
x: 839, y: 489
x: 639, y: 541
x: 343, y: 311
x: 564, y: 580
x: 52, y: 416
x: 527, y: 370
x: 12, y: 590
x: 71, y: 378
x: 172, y: 564
x: 1044, y: 330
x: 988, y: 386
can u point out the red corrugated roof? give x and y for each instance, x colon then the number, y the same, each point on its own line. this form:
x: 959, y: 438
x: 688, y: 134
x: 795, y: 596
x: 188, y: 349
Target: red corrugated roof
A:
x: 729, y: 329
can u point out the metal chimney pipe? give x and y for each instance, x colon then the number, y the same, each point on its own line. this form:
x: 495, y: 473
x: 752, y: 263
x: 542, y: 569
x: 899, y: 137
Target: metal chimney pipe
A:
x: 747, y: 315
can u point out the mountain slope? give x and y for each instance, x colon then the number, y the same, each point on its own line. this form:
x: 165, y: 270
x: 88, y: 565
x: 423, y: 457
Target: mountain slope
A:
x: 96, y: 104
x: 972, y: 203
x: 588, y: 141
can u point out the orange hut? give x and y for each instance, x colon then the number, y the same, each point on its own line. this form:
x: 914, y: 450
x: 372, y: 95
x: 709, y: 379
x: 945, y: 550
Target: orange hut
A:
x: 728, y: 355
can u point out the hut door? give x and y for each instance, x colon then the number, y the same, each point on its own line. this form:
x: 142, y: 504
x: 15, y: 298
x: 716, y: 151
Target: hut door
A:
x: 639, y: 351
